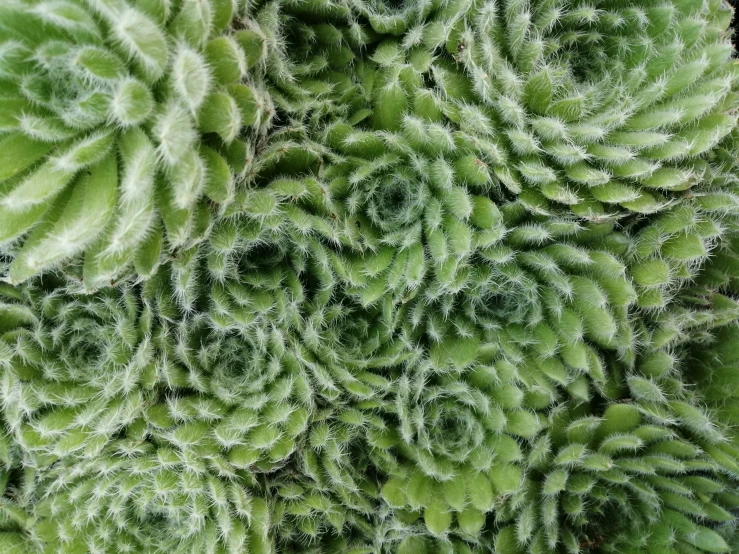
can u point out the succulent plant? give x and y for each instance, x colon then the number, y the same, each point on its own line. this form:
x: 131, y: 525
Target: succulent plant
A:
x: 446, y: 276
x: 121, y: 122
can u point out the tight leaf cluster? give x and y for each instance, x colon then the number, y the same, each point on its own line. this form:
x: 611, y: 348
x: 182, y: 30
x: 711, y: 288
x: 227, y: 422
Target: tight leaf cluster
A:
x: 369, y: 277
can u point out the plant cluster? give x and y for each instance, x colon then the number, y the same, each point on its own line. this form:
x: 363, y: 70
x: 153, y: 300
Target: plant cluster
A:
x: 356, y: 276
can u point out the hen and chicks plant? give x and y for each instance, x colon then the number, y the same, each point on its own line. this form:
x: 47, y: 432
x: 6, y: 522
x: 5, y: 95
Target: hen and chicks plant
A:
x: 363, y: 276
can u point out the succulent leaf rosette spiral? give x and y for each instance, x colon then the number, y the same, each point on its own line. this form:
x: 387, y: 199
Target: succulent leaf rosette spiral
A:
x: 362, y: 276
x: 119, y: 120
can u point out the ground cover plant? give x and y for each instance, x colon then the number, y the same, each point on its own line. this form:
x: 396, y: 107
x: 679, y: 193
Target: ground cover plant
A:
x: 369, y: 276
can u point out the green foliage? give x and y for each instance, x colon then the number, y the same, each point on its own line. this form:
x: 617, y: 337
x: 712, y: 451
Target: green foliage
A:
x: 120, y: 117
x: 368, y: 277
